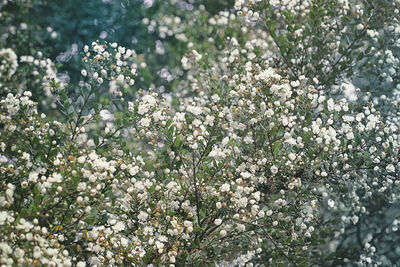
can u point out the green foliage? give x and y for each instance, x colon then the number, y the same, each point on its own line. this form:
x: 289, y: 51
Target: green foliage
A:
x: 199, y: 132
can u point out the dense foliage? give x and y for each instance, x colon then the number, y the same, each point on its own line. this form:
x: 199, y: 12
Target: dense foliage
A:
x: 186, y: 133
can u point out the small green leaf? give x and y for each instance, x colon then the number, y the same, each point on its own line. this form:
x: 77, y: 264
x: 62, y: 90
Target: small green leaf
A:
x: 273, y: 131
x: 53, y: 153
x: 80, y: 102
x: 177, y: 141
x: 196, y: 229
x: 96, y: 140
x: 170, y: 132
x: 36, y: 190
x: 281, y: 131
x: 71, y: 110
x: 169, y: 122
x: 276, y: 146
x: 309, y: 116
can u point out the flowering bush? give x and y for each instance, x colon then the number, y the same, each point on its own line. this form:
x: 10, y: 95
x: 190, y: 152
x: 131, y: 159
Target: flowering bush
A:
x: 256, y: 155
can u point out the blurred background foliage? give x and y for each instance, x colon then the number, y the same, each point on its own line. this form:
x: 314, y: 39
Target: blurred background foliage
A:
x: 60, y: 29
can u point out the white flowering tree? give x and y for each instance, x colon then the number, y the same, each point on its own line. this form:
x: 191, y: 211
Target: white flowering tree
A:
x: 254, y: 158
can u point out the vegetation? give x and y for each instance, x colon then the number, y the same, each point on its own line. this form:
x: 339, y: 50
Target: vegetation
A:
x: 187, y: 133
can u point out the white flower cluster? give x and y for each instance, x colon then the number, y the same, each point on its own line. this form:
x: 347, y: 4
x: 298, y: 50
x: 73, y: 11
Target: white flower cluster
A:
x: 9, y: 63
x: 166, y: 26
x: 40, y: 250
x: 110, y: 62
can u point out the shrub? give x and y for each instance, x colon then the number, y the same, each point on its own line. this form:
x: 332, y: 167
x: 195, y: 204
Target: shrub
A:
x: 251, y: 157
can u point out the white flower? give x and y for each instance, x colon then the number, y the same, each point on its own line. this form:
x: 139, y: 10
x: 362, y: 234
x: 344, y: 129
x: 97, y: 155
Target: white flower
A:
x: 188, y: 223
x: 295, y: 83
x: 143, y: 216
x: 147, y: 230
x: 149, y: 99
x: 194, y: 110
x: 120, y: 78
x: 81, y: 159
x: 223, y: 233
x: 242, y: 202
x: 159, y: 245
x: 331, y: 203
x: 225, y: 141
x: 196, y: 122
x: 274, y: 169
x: 390, y: 168
x: 248, y: 140
x: 3, y: 217
x: 145, y: 122
x: 225, y: 188
x: 84, y: 73
x: 185, y: 63
x: 9, y: 61
x: 133, y: 171
x: 245, y: 175
x: 124, y: 243
x: 215, y: 98
x: 171, y: 185
x: 19, y: 253
x: 354, y: 219
x: 119, y: 226
x: 33, y: 176
x: 217, y: 222
x: 209, y: 120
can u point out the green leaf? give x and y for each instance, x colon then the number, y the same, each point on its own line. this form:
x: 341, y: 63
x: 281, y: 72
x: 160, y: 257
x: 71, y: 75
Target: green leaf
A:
x: 274, y: 130
x: 171, y: 213
x: 276, y: 146
x: 36, y: 190
x: 308, y: 118
x: 170, y: 132
x: 177, y: 142
x: 281, y: 131
x: 37, y: 201
x: 196, y: 229
x: 271, y: 26
x: 96, y: 140
x: 80, y: 102
x: 53, y: 153
x: 71, y: 110
x: 22, y: 214
x: 152, y: 188
x: 283, y: 43
x: 169, y: 122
